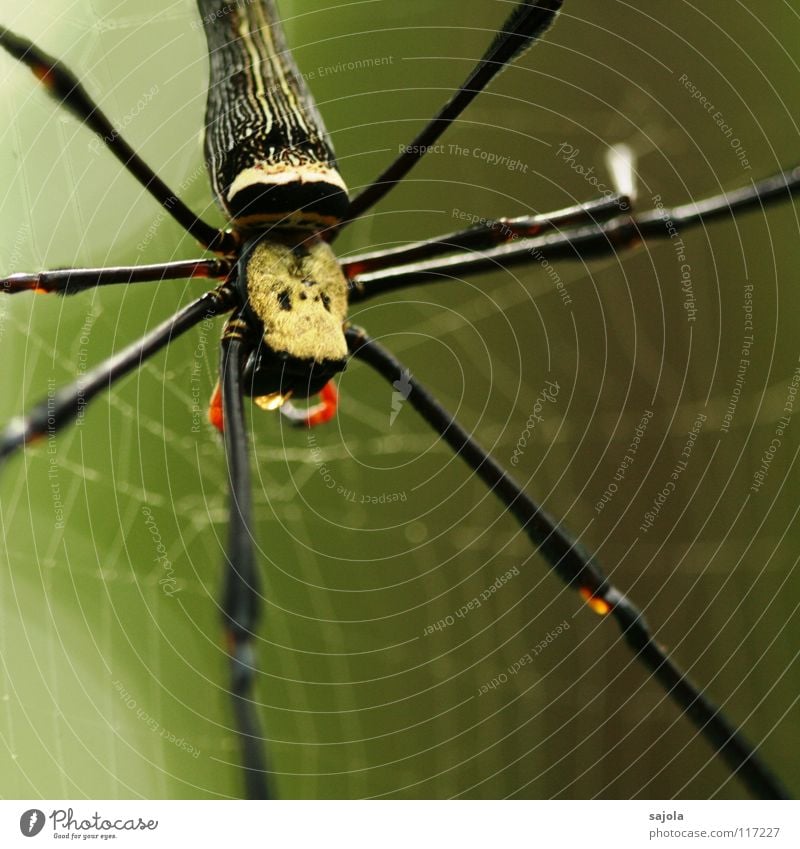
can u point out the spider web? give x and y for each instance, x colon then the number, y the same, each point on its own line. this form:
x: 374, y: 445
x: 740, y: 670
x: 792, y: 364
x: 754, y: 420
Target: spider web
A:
x: 377, y: 676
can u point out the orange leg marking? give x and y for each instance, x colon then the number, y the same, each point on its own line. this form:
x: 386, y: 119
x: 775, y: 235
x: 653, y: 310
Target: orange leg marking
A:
x: 326, y: 409
x: 43, y: 74
x: 215, y: 409
x: 597, y: 604
x: 230, y: 642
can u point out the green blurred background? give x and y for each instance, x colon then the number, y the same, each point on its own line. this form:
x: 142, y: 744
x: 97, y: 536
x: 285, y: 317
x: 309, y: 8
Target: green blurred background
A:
x: 112, y: 687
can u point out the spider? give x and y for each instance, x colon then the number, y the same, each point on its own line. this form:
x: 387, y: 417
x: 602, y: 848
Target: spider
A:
x: 396, y: 372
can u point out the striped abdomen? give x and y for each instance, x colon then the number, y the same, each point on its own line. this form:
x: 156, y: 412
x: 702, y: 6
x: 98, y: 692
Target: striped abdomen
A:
x: 267, y: 150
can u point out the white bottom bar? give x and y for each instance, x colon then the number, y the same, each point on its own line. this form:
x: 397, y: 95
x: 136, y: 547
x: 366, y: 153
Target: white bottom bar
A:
x: 402, y: 824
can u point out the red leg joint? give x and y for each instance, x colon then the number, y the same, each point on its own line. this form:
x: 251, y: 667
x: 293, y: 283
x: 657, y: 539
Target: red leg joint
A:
x: 317, y: 414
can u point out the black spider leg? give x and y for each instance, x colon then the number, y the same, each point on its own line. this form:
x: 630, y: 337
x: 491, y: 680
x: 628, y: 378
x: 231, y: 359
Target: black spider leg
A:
x: 70, y: 281
x: 68, y: 90
x: 579, y: 569
x: 492, y: 232
x: 587, y: 242
x: 66, y: 404
x: 241, y: 598
x: 487, y: 234
x: 525, y: 24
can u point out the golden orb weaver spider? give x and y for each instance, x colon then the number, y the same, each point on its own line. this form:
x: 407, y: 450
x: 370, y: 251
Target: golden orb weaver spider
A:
x: 451, y: 722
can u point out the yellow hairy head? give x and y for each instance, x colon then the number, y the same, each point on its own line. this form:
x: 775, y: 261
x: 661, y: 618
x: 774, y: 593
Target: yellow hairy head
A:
x: 296, y: 288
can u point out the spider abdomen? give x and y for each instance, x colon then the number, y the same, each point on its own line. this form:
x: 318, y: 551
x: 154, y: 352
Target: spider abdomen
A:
x: 266, y: 147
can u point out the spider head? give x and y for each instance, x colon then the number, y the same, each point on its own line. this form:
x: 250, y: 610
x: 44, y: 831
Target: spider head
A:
x: 296, y: 299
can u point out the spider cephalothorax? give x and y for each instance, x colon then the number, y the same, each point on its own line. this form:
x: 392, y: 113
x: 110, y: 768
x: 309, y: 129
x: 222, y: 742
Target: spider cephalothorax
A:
x: 293, y: 306
x: 295, y: 297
